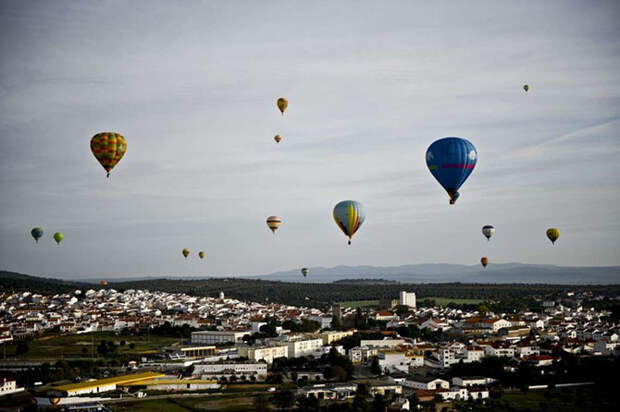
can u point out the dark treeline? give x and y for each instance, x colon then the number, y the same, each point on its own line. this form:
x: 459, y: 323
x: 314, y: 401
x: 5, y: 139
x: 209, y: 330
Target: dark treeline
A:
x: 507, y: 296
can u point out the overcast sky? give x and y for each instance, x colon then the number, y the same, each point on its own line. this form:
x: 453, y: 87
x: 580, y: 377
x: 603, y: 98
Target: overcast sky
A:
x: 193, y: 87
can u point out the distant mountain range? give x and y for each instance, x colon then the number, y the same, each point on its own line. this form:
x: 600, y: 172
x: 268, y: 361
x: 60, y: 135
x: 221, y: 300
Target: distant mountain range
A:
x: 422, y: 273
x: 444, y: 273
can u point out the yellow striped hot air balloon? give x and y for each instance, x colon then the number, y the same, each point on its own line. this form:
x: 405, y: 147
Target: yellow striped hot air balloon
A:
x: 274, y: 223
x: 201, y: 254
x: 108, y: 148
x: 349, y: 216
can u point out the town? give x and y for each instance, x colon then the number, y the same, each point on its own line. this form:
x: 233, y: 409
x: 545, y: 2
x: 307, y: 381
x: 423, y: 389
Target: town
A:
x: 394, y: 356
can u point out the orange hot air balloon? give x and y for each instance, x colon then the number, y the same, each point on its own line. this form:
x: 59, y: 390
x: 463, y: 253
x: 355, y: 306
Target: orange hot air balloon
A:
x: 282, y: 104
x: 274, y: 223
x: 108, y: 148
x: 277, y: 138
x: 104, y: 283
x: 484, y: 261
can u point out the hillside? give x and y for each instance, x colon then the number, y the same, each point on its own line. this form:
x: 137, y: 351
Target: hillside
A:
x: 440, y: 273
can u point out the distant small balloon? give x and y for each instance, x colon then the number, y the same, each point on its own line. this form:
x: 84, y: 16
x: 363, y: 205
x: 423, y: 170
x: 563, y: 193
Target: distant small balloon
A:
x: 201, y: 254
x: 277, y: 138
x: 185, y: 252
x: 36, y: 233
x: 526, y: 87
x: 58, y: 237
x: 488, y: 231
x: 282, y: 104
x: 274, y: 222
x: 304, y: 271
x: 104, y: 283
x: 553, y: 234
x: 484, y: 261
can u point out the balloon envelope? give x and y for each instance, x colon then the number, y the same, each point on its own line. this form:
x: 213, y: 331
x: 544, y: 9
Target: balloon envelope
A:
x: 349, y: 216
x: 274, y: 222
x: 553, y: 234
x: 304, y: 271
x: 484, y: 261
x: 526, y: 87
x: 58, y: 237
x: 36, y: 233
x: 108, y: 148
x: 185, y: 252
x: 488, y: 231
x: 104, y: 283
x: 282, y: 104
x: 201, y: 255
x: 277, y: 138
x: 451, y: 160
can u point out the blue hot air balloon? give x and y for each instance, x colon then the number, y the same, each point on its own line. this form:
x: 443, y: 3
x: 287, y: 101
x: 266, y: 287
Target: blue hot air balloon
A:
x: 349, y: 216
x: 451, y: 160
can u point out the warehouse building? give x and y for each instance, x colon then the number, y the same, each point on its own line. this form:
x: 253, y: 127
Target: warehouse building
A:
x: 102, y: 385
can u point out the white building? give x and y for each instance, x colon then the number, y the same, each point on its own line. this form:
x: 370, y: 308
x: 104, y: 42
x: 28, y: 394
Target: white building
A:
x: 471, y: 381
x: 333, y: 336
x: 266, y: 353
x: 303, y: 347
x: 227, y: 369
x: 393, y: 361
x: 211, y: 337
x: 8, y: 385
x: 427, y: 383
x: 407, y: 299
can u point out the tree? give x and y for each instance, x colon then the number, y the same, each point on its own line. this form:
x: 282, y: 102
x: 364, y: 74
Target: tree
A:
x: 22, y: 348
x: 84, y: 351
x: 261, y: 403
x: 308, y: 404
x: 132, y: 346
x: 123, y: 343
x: 362, y: 389
x: 413, y: 401
x: 374, y: 366
x: 483, y: 308
x: 380, y: 403
x: 283, y: 399
x: 335, y: 372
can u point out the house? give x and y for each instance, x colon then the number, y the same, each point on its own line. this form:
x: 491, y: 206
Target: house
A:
x: 427, y: 383
x: 467, y: 381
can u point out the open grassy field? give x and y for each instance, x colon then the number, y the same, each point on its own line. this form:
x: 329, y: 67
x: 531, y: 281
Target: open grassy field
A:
x: 438, y: 301
x: 71, y: 346
x: 155, y: 405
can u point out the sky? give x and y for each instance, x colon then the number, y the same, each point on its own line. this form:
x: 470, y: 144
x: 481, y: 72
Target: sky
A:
x: 193, y: 87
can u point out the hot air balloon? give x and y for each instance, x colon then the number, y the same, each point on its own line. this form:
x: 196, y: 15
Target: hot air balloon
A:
x: 201, y: 254
x: 484, y: 261
x: 109, y: 148
x: 274, y: 223
x: 349, y: 216
x: 304, y: 271
x: 277, y: 138
x: 104, y: 283
x: 185, y: 252
x: 526, y: 87
x: 451, y: 160
x: 488, y: 231
x: 37, y: 233
x: 282, y: 104
x: 553, y: 234
x: 58, y: 237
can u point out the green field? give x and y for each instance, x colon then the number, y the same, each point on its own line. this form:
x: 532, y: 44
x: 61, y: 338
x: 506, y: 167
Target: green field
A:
x: 438, y: 301
x: 70, y: 346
